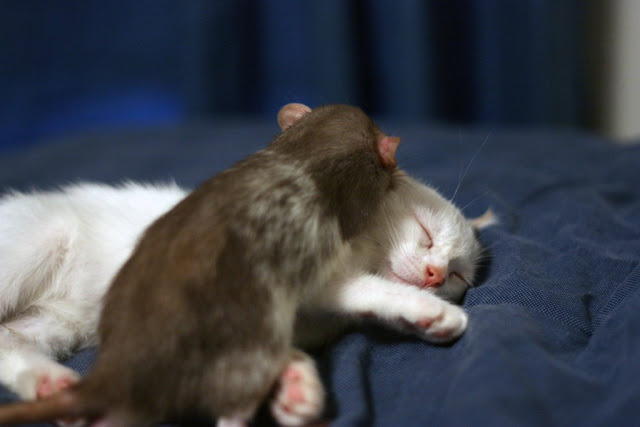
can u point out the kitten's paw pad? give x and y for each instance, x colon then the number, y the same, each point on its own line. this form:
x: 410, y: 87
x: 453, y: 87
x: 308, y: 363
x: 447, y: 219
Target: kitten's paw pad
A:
x: 449, y: 326
x: 50, y: 383
x: 44, y: 379
x: 452, y: 330
x: 54, y: 381
x: 441, y: 326
x: 299, y: 399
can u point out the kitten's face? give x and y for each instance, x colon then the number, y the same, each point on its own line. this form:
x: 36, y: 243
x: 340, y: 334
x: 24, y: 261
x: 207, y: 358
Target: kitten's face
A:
x: 431, y: 244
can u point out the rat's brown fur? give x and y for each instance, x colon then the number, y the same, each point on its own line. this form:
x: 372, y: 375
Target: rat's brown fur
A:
x: 198, y: 322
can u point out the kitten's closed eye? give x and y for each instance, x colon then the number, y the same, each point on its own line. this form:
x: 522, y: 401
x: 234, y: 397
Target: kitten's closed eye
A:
x: 427, y: 241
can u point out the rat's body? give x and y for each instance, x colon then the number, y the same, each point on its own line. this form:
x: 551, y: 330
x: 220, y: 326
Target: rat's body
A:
x: 199, y: 321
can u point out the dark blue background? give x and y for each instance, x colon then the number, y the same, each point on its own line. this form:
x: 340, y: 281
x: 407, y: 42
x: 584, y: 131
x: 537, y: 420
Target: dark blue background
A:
x: 85, y: 64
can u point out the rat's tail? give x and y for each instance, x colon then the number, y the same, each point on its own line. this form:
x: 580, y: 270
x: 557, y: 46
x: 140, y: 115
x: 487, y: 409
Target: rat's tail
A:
x: 66, y: 404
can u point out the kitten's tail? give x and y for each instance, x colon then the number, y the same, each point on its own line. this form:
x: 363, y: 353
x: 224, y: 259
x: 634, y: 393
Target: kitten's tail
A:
x: 66, y: 404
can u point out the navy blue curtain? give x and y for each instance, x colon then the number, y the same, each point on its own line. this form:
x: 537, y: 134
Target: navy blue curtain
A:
x: 78, y: 64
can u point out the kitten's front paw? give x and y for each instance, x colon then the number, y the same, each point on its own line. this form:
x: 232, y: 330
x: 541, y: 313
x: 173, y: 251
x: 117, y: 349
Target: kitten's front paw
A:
x: 299, y: 399
x: 440, y: 324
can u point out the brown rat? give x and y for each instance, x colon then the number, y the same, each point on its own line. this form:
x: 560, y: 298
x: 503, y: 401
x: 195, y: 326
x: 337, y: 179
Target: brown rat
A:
x: 198, y: 323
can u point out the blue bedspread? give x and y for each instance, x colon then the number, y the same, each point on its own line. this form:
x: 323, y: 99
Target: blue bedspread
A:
x: 553, y: 336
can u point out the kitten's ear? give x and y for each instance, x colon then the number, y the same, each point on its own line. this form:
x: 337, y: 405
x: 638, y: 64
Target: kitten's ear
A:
x: 290, y: 114
x: 485, y: 220
x: 387, y: 146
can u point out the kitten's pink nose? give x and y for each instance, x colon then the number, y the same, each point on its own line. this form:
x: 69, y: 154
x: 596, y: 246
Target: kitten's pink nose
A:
x: 435, y: 277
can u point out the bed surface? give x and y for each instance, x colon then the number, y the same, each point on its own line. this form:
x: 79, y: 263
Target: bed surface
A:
x: 553, y: 335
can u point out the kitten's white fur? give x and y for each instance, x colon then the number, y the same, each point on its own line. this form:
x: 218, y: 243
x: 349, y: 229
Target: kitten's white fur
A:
x: 60, y: 249
x: 58, y: 253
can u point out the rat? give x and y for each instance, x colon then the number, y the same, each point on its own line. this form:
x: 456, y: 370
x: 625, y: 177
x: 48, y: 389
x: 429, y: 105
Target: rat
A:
x: 198, y: 323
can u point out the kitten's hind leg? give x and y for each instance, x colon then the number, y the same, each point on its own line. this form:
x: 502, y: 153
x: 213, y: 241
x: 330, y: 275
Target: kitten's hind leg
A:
x: 30, y: 373
x: 28, y: 345
x: 299, y: 398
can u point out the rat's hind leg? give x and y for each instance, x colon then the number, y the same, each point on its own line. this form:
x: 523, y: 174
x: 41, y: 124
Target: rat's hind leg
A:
x: 28, y: 345
x: 299, y: 398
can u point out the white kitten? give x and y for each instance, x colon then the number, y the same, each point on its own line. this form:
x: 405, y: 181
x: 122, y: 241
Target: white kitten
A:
x: 58, y: 253
x: 60, y: 249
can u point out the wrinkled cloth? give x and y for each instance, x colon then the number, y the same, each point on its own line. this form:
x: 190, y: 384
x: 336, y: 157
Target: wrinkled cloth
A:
x: 555, y: 313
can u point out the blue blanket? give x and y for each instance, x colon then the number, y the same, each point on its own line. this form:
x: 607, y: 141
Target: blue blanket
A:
x: 551, y: 336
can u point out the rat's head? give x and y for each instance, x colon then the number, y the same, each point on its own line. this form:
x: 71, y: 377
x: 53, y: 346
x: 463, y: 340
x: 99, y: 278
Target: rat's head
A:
x: 431, y: 244
x: 336, y: 129
x: 351, y: 160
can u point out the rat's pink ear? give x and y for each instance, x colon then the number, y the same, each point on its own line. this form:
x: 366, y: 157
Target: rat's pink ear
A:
x: 387, y: 146
x: 290, y: 114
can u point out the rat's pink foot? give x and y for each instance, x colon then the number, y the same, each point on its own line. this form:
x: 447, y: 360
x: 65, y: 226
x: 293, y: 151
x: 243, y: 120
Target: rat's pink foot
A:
x: 299, y: 399
x: 227, y: 422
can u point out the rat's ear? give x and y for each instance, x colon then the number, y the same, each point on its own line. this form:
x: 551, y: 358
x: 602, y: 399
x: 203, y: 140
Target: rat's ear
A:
x: 290, y: 114
x: 485, y: 220
x: 387, y: 146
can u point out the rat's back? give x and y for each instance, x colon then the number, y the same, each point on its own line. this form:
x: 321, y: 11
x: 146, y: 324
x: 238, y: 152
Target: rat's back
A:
x: 212, y: 289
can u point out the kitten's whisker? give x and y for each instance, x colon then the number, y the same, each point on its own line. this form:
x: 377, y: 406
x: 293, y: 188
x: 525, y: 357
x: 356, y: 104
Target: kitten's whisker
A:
x: 474, y: 200
x: 468, y: 166
x: 489, y: 247
x: 460, y: 172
